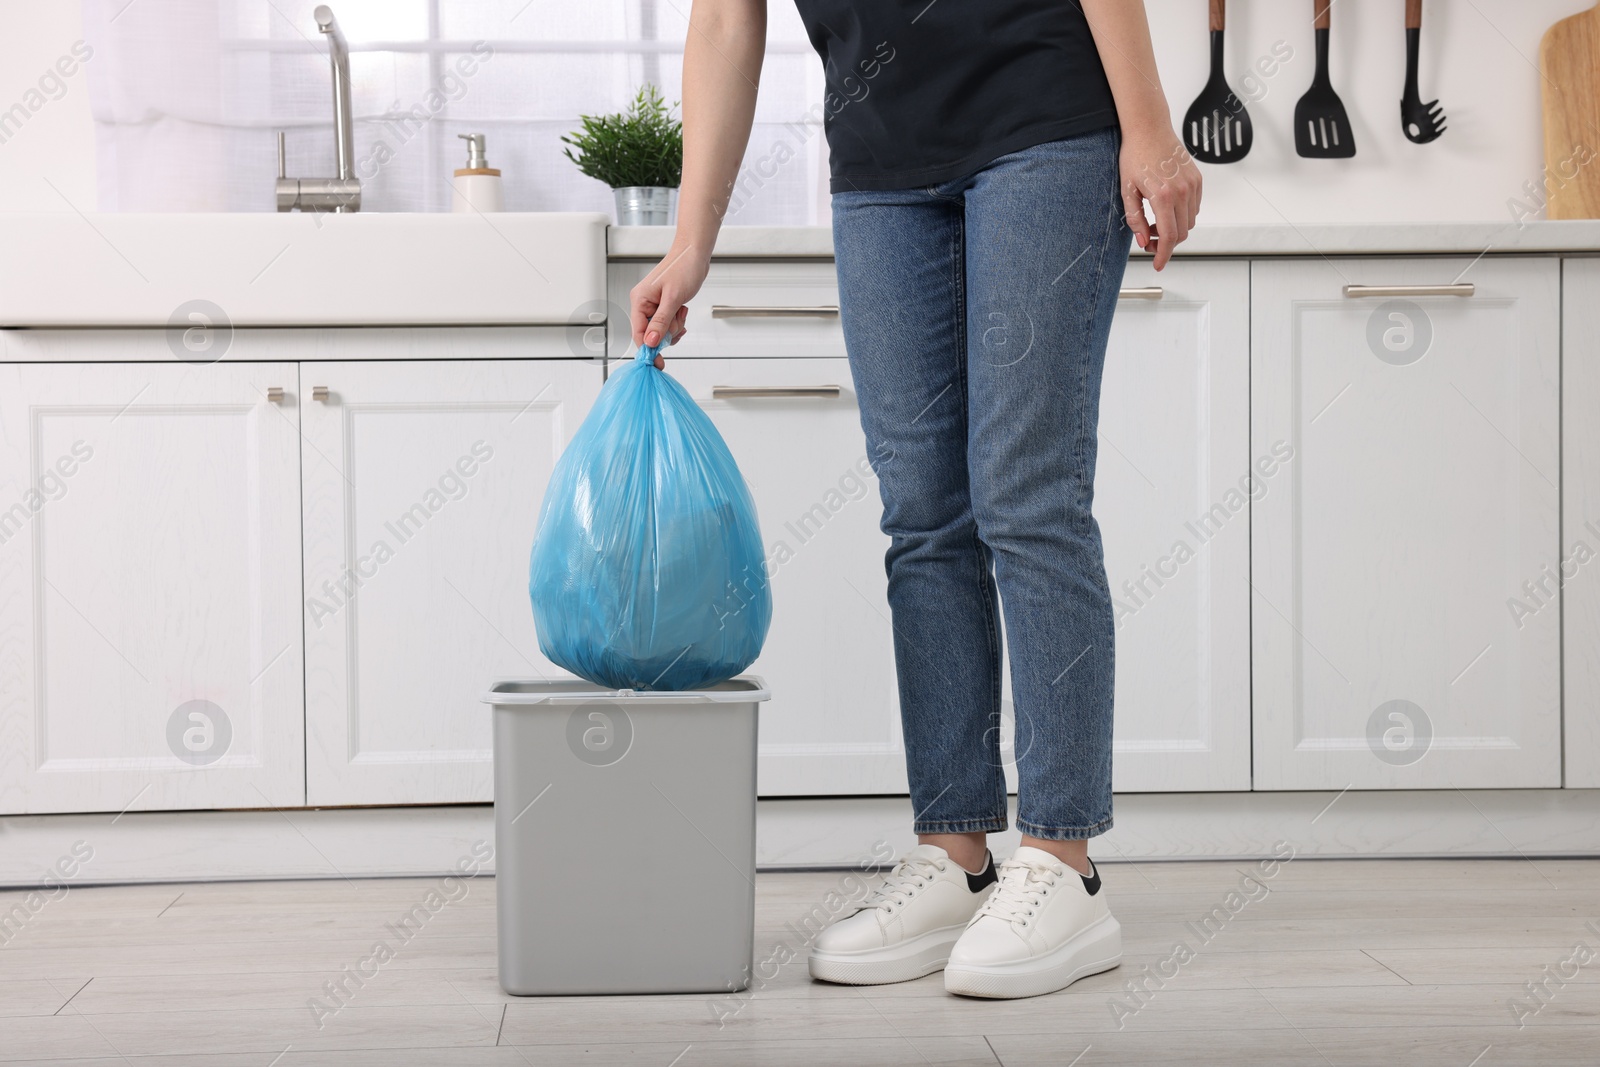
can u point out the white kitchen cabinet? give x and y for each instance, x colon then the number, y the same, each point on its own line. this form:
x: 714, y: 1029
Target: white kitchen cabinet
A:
x: 422, y: 484
x: 1332, y: 527
x: 1574, y: 578
x: 1420, y: 496
x: 1172, y: 490
x: 1174, y: 441
x: 150, y: 643
x: 833, y: 723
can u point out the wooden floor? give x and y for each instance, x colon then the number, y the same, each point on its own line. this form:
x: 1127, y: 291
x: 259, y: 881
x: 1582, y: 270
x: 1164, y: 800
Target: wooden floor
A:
x: 1410, y: 962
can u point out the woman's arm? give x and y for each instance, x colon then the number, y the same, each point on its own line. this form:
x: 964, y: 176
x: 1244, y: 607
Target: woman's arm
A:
x: 1155, y: 165
x: 721, y: 66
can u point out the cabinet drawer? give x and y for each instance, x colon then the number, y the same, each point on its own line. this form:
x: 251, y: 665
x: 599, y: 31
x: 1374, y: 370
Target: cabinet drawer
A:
x: 746, y: 309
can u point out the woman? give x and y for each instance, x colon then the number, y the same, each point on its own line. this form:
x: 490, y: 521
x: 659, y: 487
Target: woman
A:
x: 990, y: 159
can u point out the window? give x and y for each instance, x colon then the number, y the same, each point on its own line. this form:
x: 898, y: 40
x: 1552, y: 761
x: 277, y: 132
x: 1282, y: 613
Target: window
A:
x: 188, y: 97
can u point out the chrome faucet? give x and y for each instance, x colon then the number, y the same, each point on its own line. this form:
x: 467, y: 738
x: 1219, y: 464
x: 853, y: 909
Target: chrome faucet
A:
x: 328, y: 194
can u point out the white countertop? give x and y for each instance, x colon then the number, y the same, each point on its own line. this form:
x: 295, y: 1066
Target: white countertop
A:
x: 1455, y: 238
x: 258, y: 269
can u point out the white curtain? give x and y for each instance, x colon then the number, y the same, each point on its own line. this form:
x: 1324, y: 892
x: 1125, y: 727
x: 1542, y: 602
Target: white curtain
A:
x: 188, y: 96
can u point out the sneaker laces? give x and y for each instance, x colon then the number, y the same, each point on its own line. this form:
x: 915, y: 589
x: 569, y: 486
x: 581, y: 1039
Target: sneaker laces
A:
x: 1019, y: 890
x: 909, y: 875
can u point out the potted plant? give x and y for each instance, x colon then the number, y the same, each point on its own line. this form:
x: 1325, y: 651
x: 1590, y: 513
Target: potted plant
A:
x: 638, y: 152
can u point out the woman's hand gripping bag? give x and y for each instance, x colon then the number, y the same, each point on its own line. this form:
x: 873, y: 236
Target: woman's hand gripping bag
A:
x: 647, y: 569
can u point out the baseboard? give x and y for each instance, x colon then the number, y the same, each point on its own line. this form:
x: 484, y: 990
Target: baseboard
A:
x: 830, y: 831
x: 794, y: 833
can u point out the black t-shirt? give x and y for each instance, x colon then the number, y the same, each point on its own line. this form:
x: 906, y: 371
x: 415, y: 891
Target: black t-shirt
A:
x: 921, y: 92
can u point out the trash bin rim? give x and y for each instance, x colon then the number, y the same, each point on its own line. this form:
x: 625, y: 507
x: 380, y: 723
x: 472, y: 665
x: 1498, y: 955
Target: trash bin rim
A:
x: 502, y: 692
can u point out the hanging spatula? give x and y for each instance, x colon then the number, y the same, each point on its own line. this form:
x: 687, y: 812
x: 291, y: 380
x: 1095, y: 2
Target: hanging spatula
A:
x: 1321, y: 127
x: 1422, y: 122
x: 1217, y: 127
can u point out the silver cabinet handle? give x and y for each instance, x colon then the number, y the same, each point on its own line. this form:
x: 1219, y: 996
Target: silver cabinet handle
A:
x: 767, y: 392
x: 1141, y: 292
x: 319, y: 392
x: 1454, y: 289
x: 736, y: 311
x: 275, y: 395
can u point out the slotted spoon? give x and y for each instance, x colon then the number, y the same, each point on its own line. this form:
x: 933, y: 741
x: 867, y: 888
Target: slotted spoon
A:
x: 1217, y: 126
x: 1321, y: 127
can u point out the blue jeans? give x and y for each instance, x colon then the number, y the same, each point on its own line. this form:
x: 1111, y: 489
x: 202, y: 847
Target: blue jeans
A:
x: 976, y: 314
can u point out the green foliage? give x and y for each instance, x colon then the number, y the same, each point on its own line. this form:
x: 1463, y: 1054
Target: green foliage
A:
x: 640, y: 146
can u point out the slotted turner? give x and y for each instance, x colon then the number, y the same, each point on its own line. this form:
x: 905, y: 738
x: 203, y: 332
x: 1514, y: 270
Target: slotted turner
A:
x: 1217, y: 126
x: 1422, y: 122
x: 1321, y: 127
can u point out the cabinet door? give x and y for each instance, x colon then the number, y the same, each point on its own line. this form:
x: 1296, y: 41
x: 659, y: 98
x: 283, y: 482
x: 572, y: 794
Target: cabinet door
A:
x: 833, y: 724
x: 1577, y: 573
x: 423, y: 482
x: 1172, y: 496
x: 1390, y: 554
x: 149, y: 586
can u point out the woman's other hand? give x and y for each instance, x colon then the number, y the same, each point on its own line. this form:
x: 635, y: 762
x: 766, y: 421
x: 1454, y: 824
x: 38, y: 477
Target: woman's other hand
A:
x: 1156, y: 167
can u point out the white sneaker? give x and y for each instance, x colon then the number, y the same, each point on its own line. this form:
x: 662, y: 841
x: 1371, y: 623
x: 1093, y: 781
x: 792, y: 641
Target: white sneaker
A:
x: 1044, y: 927
x: 904, y: 930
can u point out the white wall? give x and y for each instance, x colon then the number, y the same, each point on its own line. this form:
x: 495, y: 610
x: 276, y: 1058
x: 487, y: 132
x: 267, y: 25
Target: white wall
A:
x: 1479, y: 57
x: 53, y: 144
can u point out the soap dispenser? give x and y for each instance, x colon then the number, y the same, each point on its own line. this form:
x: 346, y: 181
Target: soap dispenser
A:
x: 477, y: 185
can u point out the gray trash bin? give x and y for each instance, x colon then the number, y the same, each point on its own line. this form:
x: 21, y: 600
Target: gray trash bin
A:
x: 625, y: 837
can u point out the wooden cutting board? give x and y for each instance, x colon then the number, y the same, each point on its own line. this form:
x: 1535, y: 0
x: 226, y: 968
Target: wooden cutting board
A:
x: 1569, y: 57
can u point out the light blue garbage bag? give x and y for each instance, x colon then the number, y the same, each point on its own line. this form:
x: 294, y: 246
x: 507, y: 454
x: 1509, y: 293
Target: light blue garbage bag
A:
x: 647, y: 568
